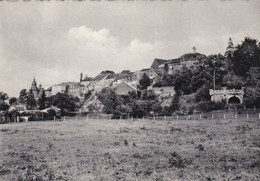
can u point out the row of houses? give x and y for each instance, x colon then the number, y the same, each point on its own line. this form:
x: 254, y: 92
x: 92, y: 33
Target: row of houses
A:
x: 126, y: 79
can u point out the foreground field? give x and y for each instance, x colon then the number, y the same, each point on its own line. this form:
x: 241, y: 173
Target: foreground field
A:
x: 131, y: 150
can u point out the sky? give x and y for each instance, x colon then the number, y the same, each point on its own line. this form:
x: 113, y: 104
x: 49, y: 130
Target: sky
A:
x: 56, y: 41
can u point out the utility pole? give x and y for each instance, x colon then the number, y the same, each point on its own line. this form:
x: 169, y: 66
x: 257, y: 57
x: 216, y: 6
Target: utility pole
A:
x: 214, y: 75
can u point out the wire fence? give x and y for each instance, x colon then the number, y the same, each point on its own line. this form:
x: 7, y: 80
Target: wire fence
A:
x: 216, y: 115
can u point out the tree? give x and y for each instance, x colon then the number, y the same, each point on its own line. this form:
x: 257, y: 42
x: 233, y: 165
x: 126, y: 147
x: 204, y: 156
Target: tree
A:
x: 23, y: 96
x: 12, y: 100
x: 246, y: 55
x: 144, y: 82
x: 3, y: 98
x: 31, y: 102
x: 148, y: 95
x: 110, y: 100
x: 42, y: 101
x: 64, y: 101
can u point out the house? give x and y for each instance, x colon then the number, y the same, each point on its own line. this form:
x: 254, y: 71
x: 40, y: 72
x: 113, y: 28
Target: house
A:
x: 92, y: 104
x: 125, y: 76
x: 56, y: 109
x: 103, y: 80
x: 72, y: 88
x: 61, y: 88
x: 167, y: 102
x: 151, y: 73
x: 124, y: 88
x: 171, y: 65
x: 19, y: 108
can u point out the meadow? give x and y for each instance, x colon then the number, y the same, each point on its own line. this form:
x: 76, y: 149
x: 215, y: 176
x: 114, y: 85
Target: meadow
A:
x: 206, y: 149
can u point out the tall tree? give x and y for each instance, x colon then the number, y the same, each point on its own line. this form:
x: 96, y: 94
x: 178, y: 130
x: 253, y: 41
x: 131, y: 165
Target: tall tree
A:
x: 3, y: 98
x: 247, y: 55
x: 144, y: 82
x: 23, y: 96
x: 31, y: 102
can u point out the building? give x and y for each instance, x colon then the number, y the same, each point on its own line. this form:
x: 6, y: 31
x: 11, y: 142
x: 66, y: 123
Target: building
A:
x: 92, y: 104
x: 72, y: 88
x: 231, y: 96
x: 151, y: 73
x: 230, y: 48
x: 170, y: 66
x: 36, y: 91
x: 124, y: 88
x: 125, y: 76
x: 103, y: 80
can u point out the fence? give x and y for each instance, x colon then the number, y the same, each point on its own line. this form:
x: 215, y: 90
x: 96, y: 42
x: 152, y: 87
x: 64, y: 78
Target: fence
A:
x: 208, y: 116
x: 217, y: 115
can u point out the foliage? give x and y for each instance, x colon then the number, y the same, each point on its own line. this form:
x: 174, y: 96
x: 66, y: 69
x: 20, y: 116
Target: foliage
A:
x: 12, y: 100
x: 42, y: 101
x: 231, y: 81
x: 144, y: 82
x: 23, y: 96
x: 63, y: 101
x: 148, y: 95
x: 31, y: 103
x: 3, y: 106
x: 252, y: 97
x: 246, y: 55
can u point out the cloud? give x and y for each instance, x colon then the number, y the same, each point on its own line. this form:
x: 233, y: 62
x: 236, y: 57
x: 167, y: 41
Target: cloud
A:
x: 100, y: 47
x: 85, y: 35
x: 137, y: 46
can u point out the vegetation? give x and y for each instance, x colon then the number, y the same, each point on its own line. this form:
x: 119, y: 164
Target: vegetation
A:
x: 3, y: 105
x: 144, y: 82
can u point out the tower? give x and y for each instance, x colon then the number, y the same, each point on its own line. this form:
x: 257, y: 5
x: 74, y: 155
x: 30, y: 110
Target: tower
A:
x: 81, y: 76
x: 230, y: 48
x: 194, y: 49
x: 34, y: 85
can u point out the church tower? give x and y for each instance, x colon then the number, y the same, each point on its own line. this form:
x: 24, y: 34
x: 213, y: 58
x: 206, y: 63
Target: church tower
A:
x: 230, y: 49
x: 34, y: 89
x: 34, y: 85
x: 81, y: 77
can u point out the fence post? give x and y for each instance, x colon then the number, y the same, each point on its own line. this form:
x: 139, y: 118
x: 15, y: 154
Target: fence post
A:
x: 254, y: 108
x: 212, y: 116
x: 224, y: 116
x: 165, y: 117
x: 247, y: 116
x: 177, y: 117
x: 200, y: 116
x: 54, y: 118
x: 259, y: 115
x: 154, y: 117
x: 64, y: 118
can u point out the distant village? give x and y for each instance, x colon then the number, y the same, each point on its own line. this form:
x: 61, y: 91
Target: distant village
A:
x: 191, y: 82
x: 125, y: 81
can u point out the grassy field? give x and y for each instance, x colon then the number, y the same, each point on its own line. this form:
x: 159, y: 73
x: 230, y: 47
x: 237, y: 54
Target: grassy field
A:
x: 131, y: 150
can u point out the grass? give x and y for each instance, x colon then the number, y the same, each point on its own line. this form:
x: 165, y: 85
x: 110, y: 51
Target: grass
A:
x: 131, y: 150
